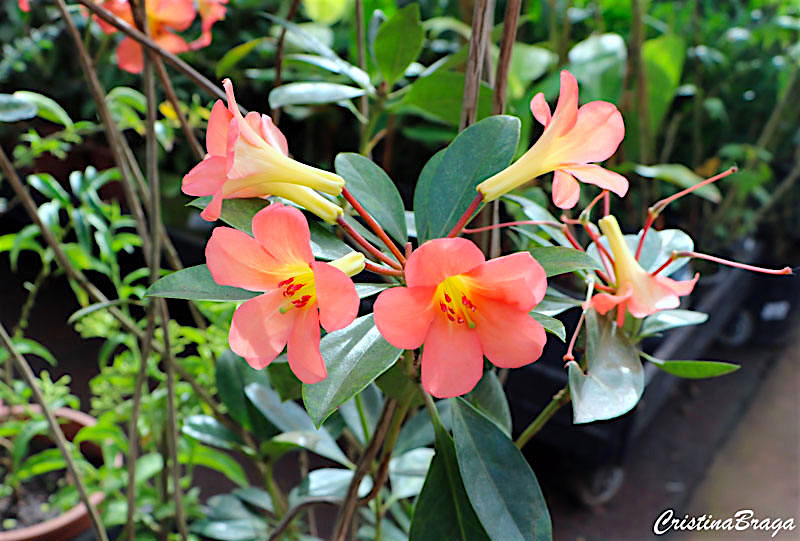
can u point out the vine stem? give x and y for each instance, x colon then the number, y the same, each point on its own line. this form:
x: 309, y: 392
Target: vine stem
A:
x: 55, y: 430
x: 560, y: 398
x: 368, y: 246
x: 467, y: 216
x: 374, y: 225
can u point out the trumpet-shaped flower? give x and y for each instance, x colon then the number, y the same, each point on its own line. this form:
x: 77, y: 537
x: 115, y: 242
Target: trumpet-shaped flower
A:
x: 163, y: 16
x: 248, y: 157
x: 299, y: 292
x: 637, y: 291
x: 572, y: 138
x: 462, y: 307
x: 210, y: 12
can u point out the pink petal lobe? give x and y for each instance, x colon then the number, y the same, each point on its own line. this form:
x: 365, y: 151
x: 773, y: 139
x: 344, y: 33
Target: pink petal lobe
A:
x: 177, y: 14
x: 540, y: 109
x: 259, y: 331
x: 509, y: 337
x: 680, y: 287
x: 594, y: 174
x: 566, y: 113
x: 217, y: 132
x: 597, y: 133
x: 517, y: 279
x: 452, y: 359
x: 237, y: 259
x: 604, y: 302
x: 213, y: 210
x: 336, y: 296
x: 273, y: 136
x: 305, y: 360
x: 205, y: 178
x: 129, y: 56
x: 403, y: 315
x: 24, y: 5
x: 283, y: 232
x: 566, y: 190
x: 437, y: 259
x: 651, y: 296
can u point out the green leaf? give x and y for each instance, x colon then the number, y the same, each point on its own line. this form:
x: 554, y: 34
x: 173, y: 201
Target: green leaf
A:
x: 499, y: 481
x: 371, y: 406
x: 49, y: 187
x: 232, y: 375
x: 598, y: 63
x: 46, y: 108
x: 399, y: 42
x: 669, y: 319
x: 354, y: 356
x: 255, y: 497
x: 227, y: 507
x: 681, y: 176
x: 407, y: 472
x: 312, y: 93
x: 40, y: 463
x: 439, y: 96
x: 555, y: 302
x: 236, y: 54
x: 196, y: 283
x: 663, y: 63
x: 693, y: 369
x: 243, y: 529
x: 103, y: 433
x: 333, y: 67
x: 489, y: 398
x: 418, y: 431
x: 614, y: 378
x: 446, y: 189
x: 283, y: 380
x: 560, y: 260
x: 328, y: 483
x: 373, y: 188
x: 528, y: 63
x: 27, y: 346
x: 297, y: 427
x: 217, y: 460
x: 21, y: 440
x: 147, y: 466
x: 13, y: 109
x: 442, y: 509
x: 208, y: 430
x: 551, y: 324
x: 92, y: 308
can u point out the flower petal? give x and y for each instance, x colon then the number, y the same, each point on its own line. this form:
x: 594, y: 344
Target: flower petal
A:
x: 169, y: 41
x: 437, y: 259
x: 509, y: 337
x: 129, y: 56
x: 273, y: 136
x: 259, y: 331
x: 336, y: 296
x: 214, y: 208
x: 217, y: 132
x: 594, y: 174
x: 566, y: 190
x: 403, y: 315
x: 452, y: 359
x: 597, y: 133
x: 205, y: 178
x: 517, y: 279
x: 680, y: 287
x: 651, y: 294
x: 305, y: 360
x: 237, y: 259
x: 177, y: 14
x: 540, y: 109
x: 566, y: 113
x: 604, y: 302
x: 283, y: 232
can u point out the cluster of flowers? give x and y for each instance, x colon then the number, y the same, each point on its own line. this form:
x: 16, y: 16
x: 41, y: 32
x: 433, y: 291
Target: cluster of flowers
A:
x: 164, y: 18
x: 456, y: 304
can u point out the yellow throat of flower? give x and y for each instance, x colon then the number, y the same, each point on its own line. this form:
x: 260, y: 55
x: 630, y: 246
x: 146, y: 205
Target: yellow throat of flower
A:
x: 452, y: 295
x: 626, y: 268
x: 299, y: 288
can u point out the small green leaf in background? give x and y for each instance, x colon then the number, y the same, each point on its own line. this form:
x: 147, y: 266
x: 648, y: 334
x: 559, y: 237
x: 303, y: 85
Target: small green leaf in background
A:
x: 373, y: 188
x: 325, y: 11
x: 256, y: 497
x: 663, y: 59
x: 418, y: 430
x: 598, y: 63
x: 312, y: 93
x: 233, y: 374
x: 560, y: 260
x: 214, y: 459
x: 49, y: 187
x: 499, y: 481
x: 46, y: 108
x: 196, y: 283
x: 283, y: 380
x: 614, y: 379
x: 354, y: 356
x: 328, y: 483
x: 669, y: 319
x: 693, y: 369
x: 236, y: 54
x: 534, y: 211
x: 407, y: 472
x: 208, y: 430
x: 551, y: 324
x: 439, y: 96
x: 13, y: 109
x: 489, y: 398
x: 399, y: 42
x: 681, y: 176
x: 446, y: 189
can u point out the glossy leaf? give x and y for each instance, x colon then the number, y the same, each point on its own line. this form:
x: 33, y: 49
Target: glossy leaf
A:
x: 233, y: 374
x: 312, y: 93
x: 663, y: 63
x: 418, y: 430
x: 446, y: 188
x: 399, y: 42
x: 693, y: 369
x: 283, y: 380
x: 207, y: 429
x: 681, y: 176
x: 489, y: 398
x: 555, y: 302
x: 499, y: 481
x: 407, y: 472
x: 560, y: 260
x: 354, y: 356
x: 598, y: 63
x: 230, y: 530
x: 255, y: 497
x: 46, y: 108
x: 373, y: 188
x: 196, y: 283
x: 614, y: 379
x: 551, y: 324
x: 439, y: 96
x: 49, y: 187
x: 13, y: 109
x: 217, y: 460
x: 669, y: 319
x: 328, y: 483
x: 536, y: 212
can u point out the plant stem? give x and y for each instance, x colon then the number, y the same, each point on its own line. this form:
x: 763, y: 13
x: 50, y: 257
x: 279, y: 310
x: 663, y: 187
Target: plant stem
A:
x: 292, y: 513
x: 560, y: 398
x: 363, y: 101
x: 364, y: 243
x: 467, y: 216
x: 477, y: 49
x: 362, y: 416
x: 374, y: 225
x: 55, y: 431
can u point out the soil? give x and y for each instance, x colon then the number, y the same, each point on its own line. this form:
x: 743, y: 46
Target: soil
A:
x: 26, y: 507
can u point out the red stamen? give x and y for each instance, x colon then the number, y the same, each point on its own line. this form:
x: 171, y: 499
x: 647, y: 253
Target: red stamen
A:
x: 659, y: 205
x: 665, y: 265
x: 509, y: 224
x: 447, y: 297
x: 286, y: 282
x: 783, y: 271
x: 585, y: 212
x: 443, y: 307
x: 451, y: 318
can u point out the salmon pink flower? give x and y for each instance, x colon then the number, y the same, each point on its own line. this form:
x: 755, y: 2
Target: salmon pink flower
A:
x: 210, y: 12
x: 248, y: 157
x: 639, y: 292
x: 299, y: 292
x: 571, y: 139
x: 163, y: 16
x: 463, y: 307
x: 24, y: 5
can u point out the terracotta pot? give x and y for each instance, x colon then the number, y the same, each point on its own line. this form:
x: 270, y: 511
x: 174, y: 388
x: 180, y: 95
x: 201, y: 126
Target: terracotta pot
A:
x: 76, y: 520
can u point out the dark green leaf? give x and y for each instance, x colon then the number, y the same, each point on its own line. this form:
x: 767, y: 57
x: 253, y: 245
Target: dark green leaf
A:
x: 256, y: 497
x: 13, y: 109
x: 83, y: 312
x: 355, y: 356
x: 446, y: 189
x: 328, y: 483
x: 283, y: 380
x: 373, y: 188
x: 232, y: 376
x: 231, y: 530
x: 439, y: 96
x: 418, y: 431
x: 399, y: 42
x: 560, y: 260
x: 312, y: 93
x: 669, y: 319
x: 407, y: 472
x: 217, y: 460
x: 694, y: 369
x: 208, y: 430
x: 196, y: 283
x: 499, y: 481
x: 551, y: 325
x: 536, y: 212
x: 489, y: 398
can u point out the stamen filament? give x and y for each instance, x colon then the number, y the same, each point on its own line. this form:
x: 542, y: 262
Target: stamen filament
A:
x: 374, y: 225
x: 585, y: 212
x: 377, y: 269
x: 666, y: 264
x: 364, y: 243
x: 509, y: 224
x: 783, y: 271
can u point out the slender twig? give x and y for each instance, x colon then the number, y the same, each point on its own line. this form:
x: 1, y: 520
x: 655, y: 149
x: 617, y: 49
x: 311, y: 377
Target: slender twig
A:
x: 276, y: 112
x: 467, y: 216
x: 510, y: 23
x: 374, y: 225
x: 292, y: 513
x: 560, y: 398
x: 169, y: 91
x: 370, y: 452
x: 55, y: 430
x: 477, y: 49
x: 363, y: 101
x: 364, y: 243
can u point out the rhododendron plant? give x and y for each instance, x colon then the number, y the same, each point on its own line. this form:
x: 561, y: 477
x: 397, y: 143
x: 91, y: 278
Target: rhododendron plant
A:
x: 461, y: 307
x: 249, y: 157
x: 573, y: 137
x: 299, y: 292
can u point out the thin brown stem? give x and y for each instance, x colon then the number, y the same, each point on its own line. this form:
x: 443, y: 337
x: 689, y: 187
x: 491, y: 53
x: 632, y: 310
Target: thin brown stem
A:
x: 377, y: 269
x: 510, y: 23
x: 276, y: 113
x: 169, y: 91
x: 368, y: 246
x: 55, y: 431
x: 477, y: 49
x: 374, y: 226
